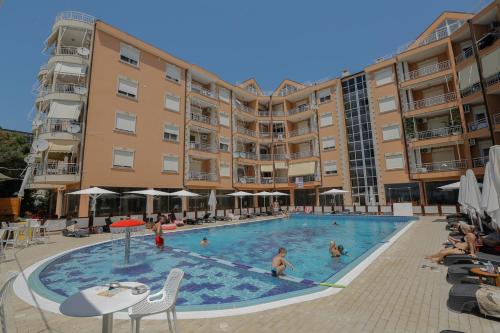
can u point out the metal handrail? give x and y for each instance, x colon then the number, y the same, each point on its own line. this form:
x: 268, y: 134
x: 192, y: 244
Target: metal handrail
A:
x: 57, y: 125
x: 467, y: 53
x: 302, y: 154
x: 63, y: 88
x: 427, y: 70
x: 205, y: 176
x: 477, y: 124
x: 265, y: 157
x: 75, y: 16
x: 497, y: 118
x: 244, y: 108
x: 493, y: 79
x: 246, y: 180
x: 203, y: 119
x: 434, y: 133
x: 55, y: 168
x: 202, y: 146
x: 279, y: 136
x: 479, y: 162
x: 265, y: 135
x: 427, y: 102
x: 281, y: 180
x: 264, y: 113
x: 246, y: 131
x: 69, y: 51
x: 440, y: 166
x: 472, y: 89
x: 245, y: 154
x: 280, y: 157
x: 278, y: 113
x: 306, y: 178
x: 266, y: 180
x: 202, y: 91
x: 302, y: 131
x: 299, y: 109
x: 488, y: 39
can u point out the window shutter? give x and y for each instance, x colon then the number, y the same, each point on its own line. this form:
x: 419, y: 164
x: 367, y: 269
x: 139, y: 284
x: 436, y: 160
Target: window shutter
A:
x: 394, y: 161
x: 326, y: 119
x: 171, y: 163
x: 224, y: 169
x: 125, y: 122
x: 172, y: 102
x: 224, y: 94
x: 130, y: 53
x: 173, y: 73
x: 387, y: 104
x: 383, y: 76
x: 224, y: 119
x: 391, y: 132
x: 328, y: 142
x: 123, y: 158
x: 330, y: 167
x: 128, y: 86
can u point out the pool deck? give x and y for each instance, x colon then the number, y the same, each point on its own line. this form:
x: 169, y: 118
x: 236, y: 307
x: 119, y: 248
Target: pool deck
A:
x: 393, y: 294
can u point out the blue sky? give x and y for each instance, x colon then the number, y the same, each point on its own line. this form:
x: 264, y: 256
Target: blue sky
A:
x: 268, y: 40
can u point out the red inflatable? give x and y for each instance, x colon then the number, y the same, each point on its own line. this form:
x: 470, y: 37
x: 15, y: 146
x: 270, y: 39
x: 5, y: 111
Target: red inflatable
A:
x: 169, y: 227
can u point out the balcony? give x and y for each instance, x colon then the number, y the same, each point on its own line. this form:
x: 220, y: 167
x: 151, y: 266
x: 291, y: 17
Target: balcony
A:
x: 470, y: 90
x: 59, y: 128
x: 477, y: 125
x: 202, y: 91
x: 279, y: 135
x: 440, y: 166
x: 266, y: 180
x: 302, y: 131
x: 306, y: 179
x: 431, y: 101
x: 281, y: 180
x: 480, y: 162
x: 428, y: 70
x: 436, y: 133
x: 265, y: 135
x: 264, y: 113
x: 488, y: 39
x: 55, y: 172
x: 203, y: 119
x: 67, y: 88
x: 245, y: 108
x: 302, y: 154
x: 278, y: 113
x: 266, y: 157
x: 202, y: 176
x: 467, y: 53
x: 202, y: 147
x: 280, y: 157
x: 75, y: 16
x: 497, y: 118
x: 246, y: 131
x: 245, y: 154
x: 492, y: 80
x: 299, y: 109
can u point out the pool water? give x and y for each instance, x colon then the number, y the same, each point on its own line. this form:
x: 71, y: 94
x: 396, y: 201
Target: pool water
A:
x: 233, y: 269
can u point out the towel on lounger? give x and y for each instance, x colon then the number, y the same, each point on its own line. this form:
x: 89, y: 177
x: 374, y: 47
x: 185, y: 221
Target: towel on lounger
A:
x: 488, y: 298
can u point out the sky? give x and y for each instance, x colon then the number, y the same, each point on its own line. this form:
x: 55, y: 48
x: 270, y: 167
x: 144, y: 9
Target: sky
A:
x: 269, y: 40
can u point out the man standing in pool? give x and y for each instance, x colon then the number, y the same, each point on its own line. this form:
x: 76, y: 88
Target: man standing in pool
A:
x: 279, y: 263
x: 158, y: 233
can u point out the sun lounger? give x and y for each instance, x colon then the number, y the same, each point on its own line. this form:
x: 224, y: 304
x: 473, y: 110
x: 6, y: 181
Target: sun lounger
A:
x: 462, y: 298
x: 233, y: 217
x: 457, y: 273
x: 77, y: 233
x: 454, y: 259
x: 207, y: 219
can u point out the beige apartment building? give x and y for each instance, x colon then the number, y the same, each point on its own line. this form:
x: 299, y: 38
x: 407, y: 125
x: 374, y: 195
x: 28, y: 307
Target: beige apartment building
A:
x: 118, y: 113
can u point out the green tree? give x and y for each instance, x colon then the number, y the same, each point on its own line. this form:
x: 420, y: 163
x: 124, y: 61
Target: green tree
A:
x: 13, y: 149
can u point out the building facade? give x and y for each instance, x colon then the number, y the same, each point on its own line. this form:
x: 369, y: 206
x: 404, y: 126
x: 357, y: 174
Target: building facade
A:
x: 116, y: 112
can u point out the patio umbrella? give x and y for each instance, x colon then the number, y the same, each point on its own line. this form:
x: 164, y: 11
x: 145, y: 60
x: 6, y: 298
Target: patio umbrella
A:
x: 150, y: 193
x: 276, y: 193
x: 184, y: 194
x: 93, y: 193
x: 264, y: 194
x: 473, y: 197
x: 452, y: 186
x: 461, y: 193
x: 490, y: 200
x: 372, y: 196
x: 212, y: 202
x: 240, y: 194
x: 334, y: 192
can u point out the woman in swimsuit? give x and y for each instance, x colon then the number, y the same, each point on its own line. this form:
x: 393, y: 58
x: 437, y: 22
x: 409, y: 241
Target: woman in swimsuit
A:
x: 467, y: 246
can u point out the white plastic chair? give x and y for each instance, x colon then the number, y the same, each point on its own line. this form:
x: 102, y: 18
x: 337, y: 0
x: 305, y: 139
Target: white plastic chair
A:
x: 163, y: 301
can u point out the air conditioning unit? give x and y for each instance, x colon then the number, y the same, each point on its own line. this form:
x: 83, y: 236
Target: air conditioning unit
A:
x: 472, y: 142
x: 467, y: 108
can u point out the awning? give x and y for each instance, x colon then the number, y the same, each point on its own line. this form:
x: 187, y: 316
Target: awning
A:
x: 55, y: 148
x: 280, y: 165
x: 266, y: 168
x: 302, y: 169
x: 65, y: 110
x: 73, y: 69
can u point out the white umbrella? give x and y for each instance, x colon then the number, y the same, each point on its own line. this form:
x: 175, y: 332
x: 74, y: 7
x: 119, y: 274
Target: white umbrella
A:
x: 212, y: 202
x: 152, y: 193
x: 372, y: 196
x: 473, y: 197
x: 276, y: 193
x: 490, y: 200
x: 240, y: 194
x: 448, y: 187
x: 334, y: 191
x: 264, y: 194
x: 93, y: 193
x: 461, y: 193
x: 184, y: 193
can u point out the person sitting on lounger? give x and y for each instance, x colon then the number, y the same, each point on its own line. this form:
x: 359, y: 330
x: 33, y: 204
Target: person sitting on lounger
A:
x: 279, y: 264
x: 467, y: 246
x: 73, y: 227
x: 204, y: 241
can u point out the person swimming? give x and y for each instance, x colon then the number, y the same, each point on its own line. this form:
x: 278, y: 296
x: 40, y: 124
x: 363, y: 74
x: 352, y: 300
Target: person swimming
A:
x: 204, y: 241
x: 337, y: 251
x: 335, y: 223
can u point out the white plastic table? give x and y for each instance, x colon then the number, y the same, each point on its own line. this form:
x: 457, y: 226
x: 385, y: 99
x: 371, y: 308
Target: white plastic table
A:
x: 87, y: 303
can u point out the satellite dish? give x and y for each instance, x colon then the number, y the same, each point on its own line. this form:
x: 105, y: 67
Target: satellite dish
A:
x: 74, y: 128
x: 40, y: 145
x: 80, y: 90
x: 30, y: 159
x: 83, y: 51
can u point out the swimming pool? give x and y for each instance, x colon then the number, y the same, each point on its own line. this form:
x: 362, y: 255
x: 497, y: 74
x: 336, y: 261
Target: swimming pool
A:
x: 233, y: 270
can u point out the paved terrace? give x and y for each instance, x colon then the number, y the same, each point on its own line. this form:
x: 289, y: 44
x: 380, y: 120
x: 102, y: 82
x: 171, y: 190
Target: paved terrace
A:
x: 394, y: 294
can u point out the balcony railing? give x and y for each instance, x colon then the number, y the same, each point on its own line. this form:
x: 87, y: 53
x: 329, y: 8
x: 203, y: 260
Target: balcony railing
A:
x: 245, y: 154
x: 305, y: 179
x: 441, y: 33
x: 244, y: 108
x: 264, y: 113
x: 66, y: 88
x: 203, y: 119
x: 477, y: 125
x: 203, y: 176
x: 59, y: 125
x: 279, y: 136
x: 266, y: 157
x: 467, y: 53
x: 302, y: 131
x: 280, y: 157
x: 266, y: 180
x: 479, y: 162
x: 278, y: 113
x: 70, y: 51
x: 265, y: 135
x: 281, y: 180
x: 493, y: 79
x: 488, y: 39
x: 427, y: 70
x: 497, y: 119
x: 246, y: 131
x: 75, y: 16
x: 435, y: 133
x: 201, y: 90
x: 302, y: 154
x: 299, y: 109
x: 431, y: 101
x: 470, y: 90
x: 246, y: 180
x: 440, y: 166
x: 55, y: 168
x: 202, y: 146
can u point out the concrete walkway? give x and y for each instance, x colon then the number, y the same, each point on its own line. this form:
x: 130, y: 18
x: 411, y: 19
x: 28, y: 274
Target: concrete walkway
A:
x: 394, y: 294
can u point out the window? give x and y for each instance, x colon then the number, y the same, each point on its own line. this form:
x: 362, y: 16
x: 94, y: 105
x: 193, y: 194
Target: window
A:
x: 171, y: 163
x: 223, y: 144
x: 125, y: 122
x: 330, y: 167
x: 324, y: 95
x: 224, y: 119
x: 171, y: 133
x: 394, y: 161
x: 127, y: 88
x: 123, y: 158
x: 224, y: 169
x: 173, y: 73
x: 328, y: 142
x: 386, y: 104
x: 326, y: 119
x: 224, y: 95
x: 172, y: 103
x: 391, y: 132
x: 129, y: 54
x: 383, y: 76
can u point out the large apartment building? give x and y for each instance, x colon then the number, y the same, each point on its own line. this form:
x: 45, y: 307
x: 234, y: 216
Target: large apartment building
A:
x: 118, y: 113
